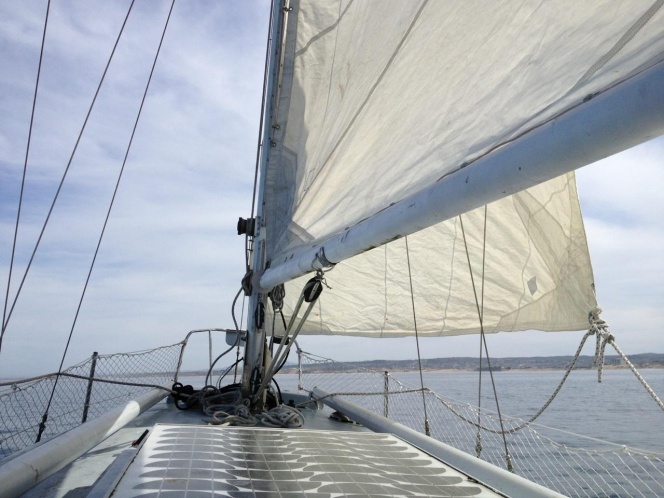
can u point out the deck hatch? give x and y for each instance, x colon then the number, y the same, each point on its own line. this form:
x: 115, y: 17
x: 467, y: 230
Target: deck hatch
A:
x: 203, y: 461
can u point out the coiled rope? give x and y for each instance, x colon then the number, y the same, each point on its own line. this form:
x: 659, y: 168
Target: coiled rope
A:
x: 226, y: 407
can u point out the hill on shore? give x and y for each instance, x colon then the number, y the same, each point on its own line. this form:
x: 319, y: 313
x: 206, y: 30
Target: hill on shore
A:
x: 644, y: 360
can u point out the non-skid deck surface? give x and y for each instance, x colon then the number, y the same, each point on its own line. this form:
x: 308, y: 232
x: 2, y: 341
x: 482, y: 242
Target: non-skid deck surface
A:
x: 205, y: 461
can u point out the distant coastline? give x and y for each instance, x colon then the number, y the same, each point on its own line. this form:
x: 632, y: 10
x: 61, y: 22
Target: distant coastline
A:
x: 467, y: 364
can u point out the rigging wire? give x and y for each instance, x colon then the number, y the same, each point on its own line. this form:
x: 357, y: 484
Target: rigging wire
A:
x: 266, y: 73
x: 242, y: 310
x: 25, y: 169
x: 233, y: 309
x: 248, y: 248
x: 427, y: 430
x: 508, y: 458
x: 280, y: 398
x: 42, y: 426
x: 64, y: 175
x: 600, y: 329
x: 237, y: 357
x: 274, y: 319
x: 310, y: 294
x: 209, y: 372
x: 221, y: 377
x: 478, y: 444
x: 237, y: 361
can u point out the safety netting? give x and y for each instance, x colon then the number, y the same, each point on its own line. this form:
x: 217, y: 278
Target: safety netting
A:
x: 79, y: 394
x: 571, y: 464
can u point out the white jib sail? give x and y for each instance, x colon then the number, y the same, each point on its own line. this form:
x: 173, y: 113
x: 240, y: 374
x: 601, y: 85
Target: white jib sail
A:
x: 378, y: 100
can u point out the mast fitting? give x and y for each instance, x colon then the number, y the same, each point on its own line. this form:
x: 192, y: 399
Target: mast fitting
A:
x: 246, y: 226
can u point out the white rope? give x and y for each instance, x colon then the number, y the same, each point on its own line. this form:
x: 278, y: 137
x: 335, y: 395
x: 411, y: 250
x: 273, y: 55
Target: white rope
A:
x: 282, y: 416
x: 637, y: 374
x: 601, y: 329
x: 228, y: 408
x: 236, y: 415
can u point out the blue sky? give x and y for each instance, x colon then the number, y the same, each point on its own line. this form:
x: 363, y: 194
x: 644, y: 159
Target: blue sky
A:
x: 171, y: 261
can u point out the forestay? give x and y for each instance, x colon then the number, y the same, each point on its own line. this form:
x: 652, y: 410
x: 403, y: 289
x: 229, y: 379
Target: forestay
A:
x: 378, y: 100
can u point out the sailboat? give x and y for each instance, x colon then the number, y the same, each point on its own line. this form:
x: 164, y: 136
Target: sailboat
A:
x: 415, y: 177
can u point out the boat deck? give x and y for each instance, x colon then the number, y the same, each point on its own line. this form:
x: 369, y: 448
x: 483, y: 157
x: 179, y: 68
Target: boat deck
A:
x: 183, y: 457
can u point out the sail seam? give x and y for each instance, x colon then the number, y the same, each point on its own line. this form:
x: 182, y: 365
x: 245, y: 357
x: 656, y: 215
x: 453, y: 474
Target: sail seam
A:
x: 514, y: 134
x: 620, y: 44
x: 327, y: 30
x: 367, y: 98
x: 451, y: 273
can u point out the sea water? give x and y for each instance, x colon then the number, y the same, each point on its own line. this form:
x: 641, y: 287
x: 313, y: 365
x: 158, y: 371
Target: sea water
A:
x: 617, y: 410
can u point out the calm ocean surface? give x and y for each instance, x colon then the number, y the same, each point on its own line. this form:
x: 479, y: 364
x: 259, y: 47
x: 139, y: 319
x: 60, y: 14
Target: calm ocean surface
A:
x: 618, y: 410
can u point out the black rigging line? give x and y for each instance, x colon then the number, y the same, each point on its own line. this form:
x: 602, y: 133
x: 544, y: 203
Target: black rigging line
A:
x: 268, y: 47
x: 42, y: 426
x: 264, y: 99
x: 64, y: 175
x: 478, y: 445
x: 480, y: 314
x: 227, y: 371
x: 238, y: 329
x: 427, y: 430
x: 209, y: 373
x: 233, y: 309
x: 25, y: 168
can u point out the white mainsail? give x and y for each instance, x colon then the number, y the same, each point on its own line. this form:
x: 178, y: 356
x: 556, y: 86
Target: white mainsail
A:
x: 379, y: 100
